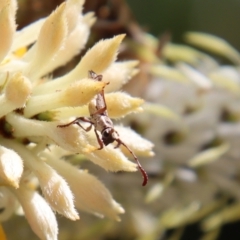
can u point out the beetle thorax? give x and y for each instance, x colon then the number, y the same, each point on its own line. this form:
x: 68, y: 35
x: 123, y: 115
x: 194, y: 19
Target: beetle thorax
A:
x: 101, y: 122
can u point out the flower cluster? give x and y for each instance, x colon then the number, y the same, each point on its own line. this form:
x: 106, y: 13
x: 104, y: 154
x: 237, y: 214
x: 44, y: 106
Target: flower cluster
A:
x: 196, y: 134
x: 32, y: 147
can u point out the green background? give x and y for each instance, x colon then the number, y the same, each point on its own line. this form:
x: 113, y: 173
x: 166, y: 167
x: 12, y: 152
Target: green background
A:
x: 219, y: 17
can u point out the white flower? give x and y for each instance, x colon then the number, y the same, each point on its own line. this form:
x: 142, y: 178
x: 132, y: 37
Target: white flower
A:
x: 197, y: 151
x: 193, y: 120
x: 30, y: 148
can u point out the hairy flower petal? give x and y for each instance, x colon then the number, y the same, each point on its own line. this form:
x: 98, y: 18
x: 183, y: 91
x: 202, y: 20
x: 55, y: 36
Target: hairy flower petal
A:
x: 17, y: 91
x: 90, y: 194
x: 98, y: 58
x: 51, y: 39
x: 56, y: 191
x: 120, y: 104
x: 109, y: 158
x: 78, y: 93
x: 103, y: 53
x: 38, y: 213
x: 118, y: 74
x: 11, y: 166
x: 27, y: 35
x: 75, y: 141
x: 54, y: 187
x: 73, y: 7
x: 67, y: 138
x: 7, y: 26
x: 39, y: 117
x: 76, y: 38
x: 134, y: 141
x: 75, y: 42
x: 8, y: 203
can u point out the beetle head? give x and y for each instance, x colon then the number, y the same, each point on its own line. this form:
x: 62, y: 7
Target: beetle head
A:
x: 108, y: 136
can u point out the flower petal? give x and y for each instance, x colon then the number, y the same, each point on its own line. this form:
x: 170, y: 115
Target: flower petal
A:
x: 17, y: 91
x: 208, y: 155
x: 27, y: 35
x: 54, y: 187
x: 109, y: 158
x: 51, y: 39
x: 90, y: 194
x: 38, y: 213
x: 118, y: 74
x: 11, y: 166
x: 103, y: 53
x: 7, y: 26
x: 73, y: 7
x: 135, y: 142
x: 169, y: 73
x: 98, y: 58
x: 120, y: 104
x: 76, y: 140
x: 78, y: 28
x: 71, y: 138
x: 8, y: 204
x: 213, y: 44
x: 224, y: 215
x: 76, y: 94
x: 74, y: 43
x: 195, y: 76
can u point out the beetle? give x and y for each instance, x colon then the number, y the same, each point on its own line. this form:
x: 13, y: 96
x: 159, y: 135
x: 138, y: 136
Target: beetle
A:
x: 101, y: 122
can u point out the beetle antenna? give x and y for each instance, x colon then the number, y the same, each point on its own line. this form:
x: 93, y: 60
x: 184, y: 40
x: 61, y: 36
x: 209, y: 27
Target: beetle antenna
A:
x: 144, y: 173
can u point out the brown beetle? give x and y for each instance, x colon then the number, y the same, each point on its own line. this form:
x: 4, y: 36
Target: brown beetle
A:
x: 102, y: 123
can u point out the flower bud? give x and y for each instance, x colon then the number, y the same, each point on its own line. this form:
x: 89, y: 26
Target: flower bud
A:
x: 18, y: 90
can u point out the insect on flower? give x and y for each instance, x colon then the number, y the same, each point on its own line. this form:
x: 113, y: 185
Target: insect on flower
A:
x: 102, y: 123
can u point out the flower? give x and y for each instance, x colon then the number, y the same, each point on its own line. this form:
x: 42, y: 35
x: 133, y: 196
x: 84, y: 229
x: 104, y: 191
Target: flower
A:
x: 196, y: 134
x: 32, y: 146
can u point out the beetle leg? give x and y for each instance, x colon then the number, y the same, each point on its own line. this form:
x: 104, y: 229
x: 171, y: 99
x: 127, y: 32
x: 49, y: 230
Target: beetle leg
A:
x: 104, y: 108
x: 76, y: 121
x: 118, y: 144
x: 85, y: 129
x: 93, y: 75
x: 99, y: 140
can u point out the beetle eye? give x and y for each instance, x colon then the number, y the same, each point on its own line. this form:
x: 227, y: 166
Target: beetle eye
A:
x: 106, y: 134
x: 107, y: 137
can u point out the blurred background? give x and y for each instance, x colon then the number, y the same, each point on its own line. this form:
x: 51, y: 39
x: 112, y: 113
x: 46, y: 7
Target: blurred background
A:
x: 219, y: 17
